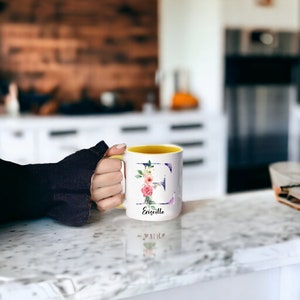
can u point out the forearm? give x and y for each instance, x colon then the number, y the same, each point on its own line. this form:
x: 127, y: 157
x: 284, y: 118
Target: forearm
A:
x: 23, y: 191
x: 59, y: 190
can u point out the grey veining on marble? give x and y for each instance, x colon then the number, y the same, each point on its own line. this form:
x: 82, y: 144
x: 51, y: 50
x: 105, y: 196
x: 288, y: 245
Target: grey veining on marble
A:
x: 115, y: 257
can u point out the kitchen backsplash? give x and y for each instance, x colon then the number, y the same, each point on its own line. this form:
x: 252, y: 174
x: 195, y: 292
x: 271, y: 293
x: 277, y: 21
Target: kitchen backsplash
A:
x: 71, y: 48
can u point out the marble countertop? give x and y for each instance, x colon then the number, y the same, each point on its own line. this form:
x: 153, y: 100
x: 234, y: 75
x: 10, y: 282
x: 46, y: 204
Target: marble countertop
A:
x: 114, y: 257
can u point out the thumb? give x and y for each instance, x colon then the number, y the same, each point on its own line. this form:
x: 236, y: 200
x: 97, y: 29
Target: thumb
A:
x: 115, y: 150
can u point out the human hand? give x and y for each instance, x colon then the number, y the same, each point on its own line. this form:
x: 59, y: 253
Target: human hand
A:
x: 106, y: 187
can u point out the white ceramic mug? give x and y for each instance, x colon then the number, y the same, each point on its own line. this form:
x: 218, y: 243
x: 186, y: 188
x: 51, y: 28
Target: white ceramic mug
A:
x: 153, y: 182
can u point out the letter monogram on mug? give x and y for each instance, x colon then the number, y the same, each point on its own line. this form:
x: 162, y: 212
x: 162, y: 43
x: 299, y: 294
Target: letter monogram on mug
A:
x: 153, y: 182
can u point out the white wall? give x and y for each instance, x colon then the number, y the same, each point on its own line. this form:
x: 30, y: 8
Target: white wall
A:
x: 191, y: 37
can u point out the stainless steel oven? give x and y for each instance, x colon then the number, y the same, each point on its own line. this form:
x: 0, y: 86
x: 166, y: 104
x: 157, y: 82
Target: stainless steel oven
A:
x: 260, y: 81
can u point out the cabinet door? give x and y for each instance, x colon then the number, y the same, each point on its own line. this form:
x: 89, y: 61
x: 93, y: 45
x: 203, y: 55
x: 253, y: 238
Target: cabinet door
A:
x: 135, y: 133
x: 18, y: 145
x: 204, y: 154
x: 55, y: 144
x: 109, y: 134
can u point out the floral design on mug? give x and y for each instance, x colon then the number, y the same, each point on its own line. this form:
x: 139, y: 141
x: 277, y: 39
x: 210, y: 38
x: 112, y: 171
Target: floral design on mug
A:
x: 149, y: 184
x: 149, y: 249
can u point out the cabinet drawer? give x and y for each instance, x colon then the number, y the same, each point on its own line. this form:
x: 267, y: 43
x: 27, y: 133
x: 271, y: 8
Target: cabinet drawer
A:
x: 56, y: 144
x: 18, y: 145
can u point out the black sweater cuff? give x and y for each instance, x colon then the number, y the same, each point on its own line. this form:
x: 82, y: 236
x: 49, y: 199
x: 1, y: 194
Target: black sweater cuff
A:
x: 59, y: 190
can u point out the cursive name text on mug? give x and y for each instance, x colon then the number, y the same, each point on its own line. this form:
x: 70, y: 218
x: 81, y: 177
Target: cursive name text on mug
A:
x: 151, y: 212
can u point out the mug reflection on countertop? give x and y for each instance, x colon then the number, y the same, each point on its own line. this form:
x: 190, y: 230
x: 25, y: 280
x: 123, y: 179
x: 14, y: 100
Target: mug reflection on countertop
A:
x: 151, y: 239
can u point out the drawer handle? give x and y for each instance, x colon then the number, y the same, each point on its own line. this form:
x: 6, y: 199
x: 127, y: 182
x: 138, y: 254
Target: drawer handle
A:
x: 193, y: 162
x: 18, y: 133
x: 62, y: 132
x: 134, y: 128
x: 189, y: 144
x: 187, y: 126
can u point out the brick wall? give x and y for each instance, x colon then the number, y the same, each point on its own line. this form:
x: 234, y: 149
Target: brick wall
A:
x: 73, y: 46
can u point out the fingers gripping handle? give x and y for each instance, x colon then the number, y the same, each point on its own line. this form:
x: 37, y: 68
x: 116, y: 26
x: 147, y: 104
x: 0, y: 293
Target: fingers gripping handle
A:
x: 121, y: 157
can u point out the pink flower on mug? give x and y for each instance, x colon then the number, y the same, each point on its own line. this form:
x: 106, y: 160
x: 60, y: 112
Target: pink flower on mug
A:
x: 148, y: 178
x: 147, y: 190
x: 149, y: 184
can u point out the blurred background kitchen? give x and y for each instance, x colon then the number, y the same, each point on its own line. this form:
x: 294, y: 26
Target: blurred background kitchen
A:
x: 218, y: 77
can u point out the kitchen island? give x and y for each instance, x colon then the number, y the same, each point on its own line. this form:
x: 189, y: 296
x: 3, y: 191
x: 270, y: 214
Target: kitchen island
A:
x: 240, y: 246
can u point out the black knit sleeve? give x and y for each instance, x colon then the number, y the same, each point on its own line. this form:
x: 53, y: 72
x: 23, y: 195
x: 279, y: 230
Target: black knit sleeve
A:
x: 58, y: 190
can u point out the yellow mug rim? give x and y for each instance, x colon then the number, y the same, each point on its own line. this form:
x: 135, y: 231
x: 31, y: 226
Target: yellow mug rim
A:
x: 135, y: 149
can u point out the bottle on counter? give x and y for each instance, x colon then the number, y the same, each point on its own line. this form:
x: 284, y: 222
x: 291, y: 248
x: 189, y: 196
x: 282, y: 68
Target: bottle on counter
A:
x: 182, y: 98
x: 149, y: 105
x: 11, y: 101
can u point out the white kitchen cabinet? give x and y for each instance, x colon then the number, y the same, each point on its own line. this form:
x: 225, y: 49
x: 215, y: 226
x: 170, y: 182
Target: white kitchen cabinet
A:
x: 202, y: 136
x: 18, y: 145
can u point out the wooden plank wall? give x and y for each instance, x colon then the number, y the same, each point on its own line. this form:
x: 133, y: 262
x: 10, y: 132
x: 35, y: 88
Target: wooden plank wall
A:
x: 76, y: 46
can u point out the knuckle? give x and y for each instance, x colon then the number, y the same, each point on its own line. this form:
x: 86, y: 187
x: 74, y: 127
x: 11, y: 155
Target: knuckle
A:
x: 101, y: 206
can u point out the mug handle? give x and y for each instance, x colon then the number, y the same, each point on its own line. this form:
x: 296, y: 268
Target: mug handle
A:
x: 121, y: 157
